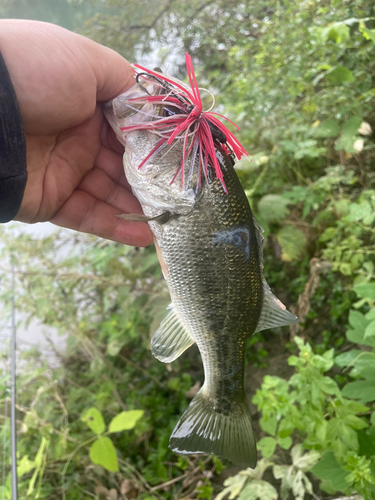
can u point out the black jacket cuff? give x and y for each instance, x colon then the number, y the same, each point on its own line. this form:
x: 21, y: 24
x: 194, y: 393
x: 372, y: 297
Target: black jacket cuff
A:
x: 13, y: 171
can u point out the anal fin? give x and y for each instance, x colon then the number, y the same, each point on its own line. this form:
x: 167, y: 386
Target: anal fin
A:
x: 274, y: 313
x: 171, y: 338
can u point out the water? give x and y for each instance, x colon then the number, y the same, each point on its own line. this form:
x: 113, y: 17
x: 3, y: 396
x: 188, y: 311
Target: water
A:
x: 68, y: 14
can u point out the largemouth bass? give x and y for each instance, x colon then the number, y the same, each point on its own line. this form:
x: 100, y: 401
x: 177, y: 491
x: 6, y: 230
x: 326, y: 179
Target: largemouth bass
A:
x: 210, y: 250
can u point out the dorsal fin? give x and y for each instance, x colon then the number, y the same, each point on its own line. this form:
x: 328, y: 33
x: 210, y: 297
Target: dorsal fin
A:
x: 274, y: 313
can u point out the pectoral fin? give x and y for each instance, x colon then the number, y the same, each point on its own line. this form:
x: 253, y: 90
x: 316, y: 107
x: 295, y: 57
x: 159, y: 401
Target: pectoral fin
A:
x: 161, y: 219
x: 171, y: 338
x: 274, y: 313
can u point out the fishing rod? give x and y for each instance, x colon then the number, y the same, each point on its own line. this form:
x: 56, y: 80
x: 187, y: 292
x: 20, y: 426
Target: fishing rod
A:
x: 13, y: 429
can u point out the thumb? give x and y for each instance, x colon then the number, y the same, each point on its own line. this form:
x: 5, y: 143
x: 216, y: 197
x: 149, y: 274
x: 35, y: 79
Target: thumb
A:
x: 114, y: 74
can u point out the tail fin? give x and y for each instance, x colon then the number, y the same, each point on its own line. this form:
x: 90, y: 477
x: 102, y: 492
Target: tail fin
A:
x: 203, y: 429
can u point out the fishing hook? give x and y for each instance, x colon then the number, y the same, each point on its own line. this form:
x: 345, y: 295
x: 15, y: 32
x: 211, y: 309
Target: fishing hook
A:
x: 163, y: 83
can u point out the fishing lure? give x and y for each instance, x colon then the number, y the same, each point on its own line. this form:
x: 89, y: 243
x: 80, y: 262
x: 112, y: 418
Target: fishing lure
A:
x: 183, y: 117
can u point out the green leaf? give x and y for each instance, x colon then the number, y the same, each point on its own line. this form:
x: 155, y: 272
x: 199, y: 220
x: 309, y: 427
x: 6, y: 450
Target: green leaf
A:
x: 340, y: 32
x: 268, y: 424
x: 330, y: 470
x: 328, y: 234
x: 114, y: 347
x: 285, y: 429
x: 345, y: 268
x: 205, y: 491
x: 102, y: 452
x: 370, y: 330
x: 346, y: 358
x: 365, y: 290
x: 367, y: 371
x: 327, y: 128
x: 233, y: 485
x: 358, y: 338
x: 359, y: 211
x: 96, y: 366
x: 366, y: 444
x: 94, y: 419
x: 357, y: 321
x: 368, y: 34
x: 293, y: 477
x: 348, y: 436
x: 346, y: 143
x: 292, y: 242
x: 285, y: 443
x: 363, y: 390
x: 25, y: 465
x: 354, y: 407
x: 340, y: 74
x: 273, y: 207
x: 258, y: 490
x: 267, y: 446
x: 329, y: 386
x: 352, y: 125
x: 349, y: 135
x: 355, y: 422
x: 125, y: 420
x: 364, y: 362
x: 337, y: 32
x: 280, y: 471
x: 306, y: 461
x: 321, y: 431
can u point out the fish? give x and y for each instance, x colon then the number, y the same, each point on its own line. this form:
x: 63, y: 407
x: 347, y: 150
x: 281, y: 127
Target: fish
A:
x: 209, y: 246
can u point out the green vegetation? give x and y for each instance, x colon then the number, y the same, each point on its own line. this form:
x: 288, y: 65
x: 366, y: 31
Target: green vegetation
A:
x: 65, y: 13
x: 298, y: 77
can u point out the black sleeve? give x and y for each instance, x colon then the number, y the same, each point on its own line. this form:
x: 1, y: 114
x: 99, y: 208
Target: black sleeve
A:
x: 13, y: 172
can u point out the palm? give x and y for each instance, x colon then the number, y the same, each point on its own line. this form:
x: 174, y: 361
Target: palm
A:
x: 75, y: 174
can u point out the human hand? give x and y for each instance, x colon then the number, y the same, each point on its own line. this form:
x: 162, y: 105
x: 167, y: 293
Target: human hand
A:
x: 74, y: 161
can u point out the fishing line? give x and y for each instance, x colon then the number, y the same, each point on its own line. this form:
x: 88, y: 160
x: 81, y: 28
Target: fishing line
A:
x: 213, y: 99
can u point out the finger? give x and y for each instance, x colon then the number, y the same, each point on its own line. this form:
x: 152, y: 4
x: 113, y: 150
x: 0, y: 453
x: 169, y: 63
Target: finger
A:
x: 99, y: 185
x: 114, y: 74
x: 82, y: 212
x: 109, y: 139
x: 111, y: 163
